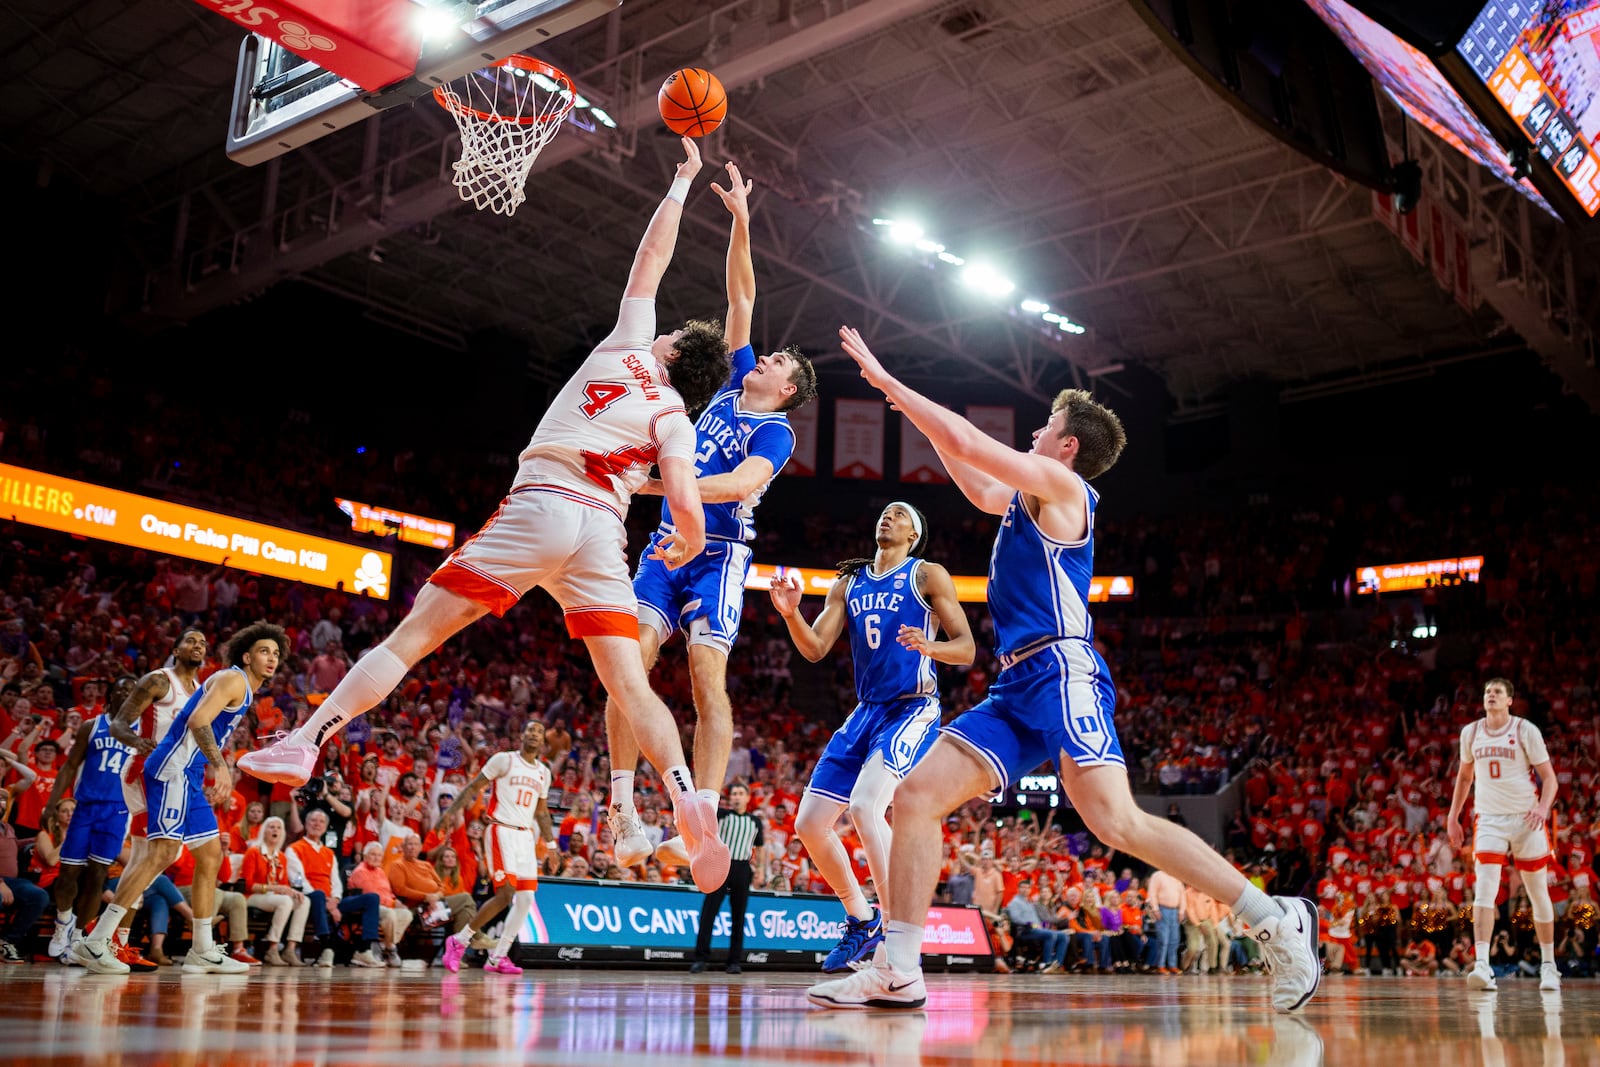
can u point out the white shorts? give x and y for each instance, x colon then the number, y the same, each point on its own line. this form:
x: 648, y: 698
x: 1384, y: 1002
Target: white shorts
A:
x: 133, y: 798
x: 1499, y: 838
x: 513, y: 857
x: 572, y: 545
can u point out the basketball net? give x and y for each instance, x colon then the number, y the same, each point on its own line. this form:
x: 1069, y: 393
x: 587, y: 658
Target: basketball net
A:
x: 507, y: 112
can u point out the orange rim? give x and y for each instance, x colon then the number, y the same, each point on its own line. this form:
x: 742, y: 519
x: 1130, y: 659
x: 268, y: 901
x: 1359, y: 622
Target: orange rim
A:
x: 529, y: 65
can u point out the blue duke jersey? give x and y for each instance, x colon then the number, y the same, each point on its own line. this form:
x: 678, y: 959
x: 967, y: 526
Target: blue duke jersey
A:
x: 877, y: 606
x: 1038, y: 586
x: 177, y: 755
x: 100, y: 779
x: 725, y: 436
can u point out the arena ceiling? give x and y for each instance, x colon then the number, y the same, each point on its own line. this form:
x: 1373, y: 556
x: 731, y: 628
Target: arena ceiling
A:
x: 1060, y: 139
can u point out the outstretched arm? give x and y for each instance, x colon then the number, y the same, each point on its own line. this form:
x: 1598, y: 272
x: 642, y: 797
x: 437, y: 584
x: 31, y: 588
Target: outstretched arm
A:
x: 741, y: 271
x: 661, y: 236
x: 955, y: 437
x: 813, y: 639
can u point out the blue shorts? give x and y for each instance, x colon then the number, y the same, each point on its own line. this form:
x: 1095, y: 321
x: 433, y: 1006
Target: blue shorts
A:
x: 178, y: 811
x: 1055, y: 705
x: 902, y: 730
x: 709, y: 587
x: 99, y: 827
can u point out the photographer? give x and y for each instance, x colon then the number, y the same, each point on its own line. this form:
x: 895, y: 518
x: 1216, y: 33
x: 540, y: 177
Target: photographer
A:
x: 329, y: 794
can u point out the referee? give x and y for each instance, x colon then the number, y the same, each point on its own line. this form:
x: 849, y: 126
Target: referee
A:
x: 742, y: 833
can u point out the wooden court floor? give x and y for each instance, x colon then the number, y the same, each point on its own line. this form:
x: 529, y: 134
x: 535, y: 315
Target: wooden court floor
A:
x: 589, y: 1018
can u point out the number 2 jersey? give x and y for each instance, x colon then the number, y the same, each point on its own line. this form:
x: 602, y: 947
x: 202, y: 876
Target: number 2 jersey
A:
x: 614, y: 419
x: 877, y: 606
x: 1502, y: 765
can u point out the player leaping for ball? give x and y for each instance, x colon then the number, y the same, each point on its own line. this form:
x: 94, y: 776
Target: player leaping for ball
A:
x: 743, y: 439
x: 561, y: 527
x: 1499, y: 755
x: 894, y: 604
x: 1053, y: 699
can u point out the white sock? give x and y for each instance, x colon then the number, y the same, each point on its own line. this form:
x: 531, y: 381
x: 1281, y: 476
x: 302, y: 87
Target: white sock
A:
x: 374, y: 677
x: 678, y: 781
x: 1482, y: 949
x: 1547, y: 953
x: 121, y: 936
x: 1255, y: 907
x: 64, y: 919
x: 521, y: 904
x: 622, y: 790
x: 710, y: 796
x: 904, y: 945
x: 202, y: 936
x: 463, y: 936
x: 107, y: 925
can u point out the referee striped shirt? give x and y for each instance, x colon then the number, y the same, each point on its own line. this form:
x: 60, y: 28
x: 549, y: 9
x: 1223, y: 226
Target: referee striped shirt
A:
x: 740, y: 832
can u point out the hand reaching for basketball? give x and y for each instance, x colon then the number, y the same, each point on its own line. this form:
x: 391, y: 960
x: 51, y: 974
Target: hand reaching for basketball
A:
x: 857, y: 350
x: 691, y: 166
x: 736, y: 196
x: 786, y: 593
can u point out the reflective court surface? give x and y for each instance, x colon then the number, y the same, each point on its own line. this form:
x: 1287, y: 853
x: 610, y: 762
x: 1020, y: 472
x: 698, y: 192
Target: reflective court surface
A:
x: 54, y: 1015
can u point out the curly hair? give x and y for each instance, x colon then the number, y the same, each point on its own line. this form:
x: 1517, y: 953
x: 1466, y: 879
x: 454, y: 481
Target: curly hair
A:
x: 803, y: 378
x: 242, y: 642
x: 702, y: 366
x: 1099, y: 431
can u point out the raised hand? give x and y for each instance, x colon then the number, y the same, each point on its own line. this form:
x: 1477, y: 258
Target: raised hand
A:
x: 857, y: 350
x: 736, y: 196
x: 690, y: 166
x: 786, y: 594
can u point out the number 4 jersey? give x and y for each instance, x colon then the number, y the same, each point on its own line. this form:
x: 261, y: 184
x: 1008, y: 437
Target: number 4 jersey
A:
x: 614, y: 419
x: 1502, y: 765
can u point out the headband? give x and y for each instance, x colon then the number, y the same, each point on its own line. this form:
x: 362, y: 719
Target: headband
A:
x: 916, y: 519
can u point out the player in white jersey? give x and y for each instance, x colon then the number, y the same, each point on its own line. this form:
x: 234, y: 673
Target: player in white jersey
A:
x: 1500, y: 754
x: 519, y: 818
x: 561, y: 527
x: 743, y: 439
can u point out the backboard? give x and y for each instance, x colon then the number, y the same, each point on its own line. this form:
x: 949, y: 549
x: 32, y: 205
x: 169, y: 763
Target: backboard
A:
x: 282, y: 100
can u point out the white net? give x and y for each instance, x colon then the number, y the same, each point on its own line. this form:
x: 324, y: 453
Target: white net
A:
x: 506, y: 113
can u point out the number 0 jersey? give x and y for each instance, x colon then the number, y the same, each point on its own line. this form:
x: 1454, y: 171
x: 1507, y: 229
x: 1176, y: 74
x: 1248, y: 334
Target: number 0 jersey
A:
x: 612, y: 421
x: 1502, y: 765
x: 517, y: 787
x: 878, y: 605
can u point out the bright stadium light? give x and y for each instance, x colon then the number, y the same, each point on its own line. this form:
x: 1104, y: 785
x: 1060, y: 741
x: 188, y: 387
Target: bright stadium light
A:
x: 436, y: 22
x: 905, y: 232
x: 1037, y: 307
x: 926, y: 245
x: 952, y: 259
x: 987, y: 280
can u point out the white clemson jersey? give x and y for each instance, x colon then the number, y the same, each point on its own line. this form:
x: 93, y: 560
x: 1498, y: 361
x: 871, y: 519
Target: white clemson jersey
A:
x: 613, y: 420
x: 156, y: 718
x: 516, y: 789
x: 1502, y: 765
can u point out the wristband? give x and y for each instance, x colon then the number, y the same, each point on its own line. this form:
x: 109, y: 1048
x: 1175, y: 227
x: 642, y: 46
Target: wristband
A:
x: 679, y: 190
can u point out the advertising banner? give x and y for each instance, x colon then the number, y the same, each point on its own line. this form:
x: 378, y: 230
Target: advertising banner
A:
x: 665, y: 920
x: 970, y: 588
x: 1394, y: 577
x: 412, y: 529
x: 88, y: 510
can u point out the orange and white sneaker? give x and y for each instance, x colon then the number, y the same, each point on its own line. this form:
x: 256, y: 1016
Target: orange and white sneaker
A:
x: 708, y: 856
x: 135, y: 960
x: 288, y: 762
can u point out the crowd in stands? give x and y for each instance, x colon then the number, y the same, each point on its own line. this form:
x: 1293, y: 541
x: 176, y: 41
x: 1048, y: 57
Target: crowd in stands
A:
x: 1247, y: 664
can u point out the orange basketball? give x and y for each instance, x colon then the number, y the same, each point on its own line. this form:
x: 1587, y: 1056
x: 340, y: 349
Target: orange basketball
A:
x: 692, y: 102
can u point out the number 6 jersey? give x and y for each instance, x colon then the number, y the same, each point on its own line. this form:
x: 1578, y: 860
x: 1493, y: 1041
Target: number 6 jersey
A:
x: 878, y: 605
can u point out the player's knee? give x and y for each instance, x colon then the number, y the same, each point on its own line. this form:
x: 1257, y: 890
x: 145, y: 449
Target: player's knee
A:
x: 523, y: 899
x: 1487, y: 884
x: 921, y: 796
x: 1538, y: 886
x: 1119, y: 828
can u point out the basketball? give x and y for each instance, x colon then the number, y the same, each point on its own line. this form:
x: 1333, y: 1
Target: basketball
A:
x: 692, y: 102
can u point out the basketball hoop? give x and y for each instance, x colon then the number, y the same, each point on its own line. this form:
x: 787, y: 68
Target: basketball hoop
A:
x: 507, y: 112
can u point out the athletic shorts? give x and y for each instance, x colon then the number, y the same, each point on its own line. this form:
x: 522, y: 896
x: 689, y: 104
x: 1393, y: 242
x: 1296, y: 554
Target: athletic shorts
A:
x: 97, y: 832
x: 572, y: 545
x: 1499, y: 838
x: 902, y: 730
x: 178, y: 810
x: 1056, y: 704
x: 133, y: 797
x: 513, y: 856
x: 709, y: 587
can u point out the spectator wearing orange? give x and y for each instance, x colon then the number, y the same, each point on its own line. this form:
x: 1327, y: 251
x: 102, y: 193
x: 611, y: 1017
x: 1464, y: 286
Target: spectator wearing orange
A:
x: 393, y: 916
x: 315, y: 852
x: 270, y: 889
x: 417, y: 884
x: 46, y: 862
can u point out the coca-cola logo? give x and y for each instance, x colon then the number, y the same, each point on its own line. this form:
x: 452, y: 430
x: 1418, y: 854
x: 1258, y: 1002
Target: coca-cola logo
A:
x: 570, y: 954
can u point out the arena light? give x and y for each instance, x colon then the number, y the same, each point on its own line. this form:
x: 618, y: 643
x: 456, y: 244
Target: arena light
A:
x: 436, y: 23
x: 908, y: 233
x: 952, y: 259
x: 1037, y: 307
x: 987, y: 280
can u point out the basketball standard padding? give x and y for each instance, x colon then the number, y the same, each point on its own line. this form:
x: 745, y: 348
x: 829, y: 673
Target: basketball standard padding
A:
x: 692, y: 102
x: 373, y: 43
